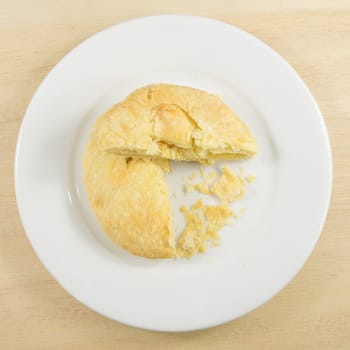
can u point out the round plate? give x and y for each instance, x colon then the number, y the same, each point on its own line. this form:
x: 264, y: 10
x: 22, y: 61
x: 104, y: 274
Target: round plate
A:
x: 284, y: 208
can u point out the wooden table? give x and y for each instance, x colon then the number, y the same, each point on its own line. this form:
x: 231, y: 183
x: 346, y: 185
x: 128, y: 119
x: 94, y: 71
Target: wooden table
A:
x: 313, y: 312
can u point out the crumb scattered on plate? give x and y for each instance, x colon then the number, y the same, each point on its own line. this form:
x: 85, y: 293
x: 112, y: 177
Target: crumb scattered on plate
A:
x: 204, y: 221
x: 202, y: 224
x: 228, y: 186
x: 204, y: 185
x: 250, y: 178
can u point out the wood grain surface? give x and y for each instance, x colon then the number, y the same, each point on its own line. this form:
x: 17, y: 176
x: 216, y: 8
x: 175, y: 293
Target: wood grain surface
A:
x: 312, y: 312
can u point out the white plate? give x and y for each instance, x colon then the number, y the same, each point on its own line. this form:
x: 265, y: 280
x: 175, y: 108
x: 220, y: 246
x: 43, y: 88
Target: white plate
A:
x: 285, y: 207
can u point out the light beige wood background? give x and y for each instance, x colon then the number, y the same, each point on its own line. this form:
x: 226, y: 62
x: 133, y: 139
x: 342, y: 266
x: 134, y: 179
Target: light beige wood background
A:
x: 313, y: 312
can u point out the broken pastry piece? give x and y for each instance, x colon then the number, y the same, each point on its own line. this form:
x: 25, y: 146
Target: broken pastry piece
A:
x: 202, y: 224
x: 228, y: 186
x: 204, y: 221
x: 176, y: 123
x: 130, y: 200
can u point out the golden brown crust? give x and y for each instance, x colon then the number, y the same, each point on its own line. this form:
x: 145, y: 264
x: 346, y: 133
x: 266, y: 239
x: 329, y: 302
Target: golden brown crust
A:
x: 131, y: 202
x: 175, y: 122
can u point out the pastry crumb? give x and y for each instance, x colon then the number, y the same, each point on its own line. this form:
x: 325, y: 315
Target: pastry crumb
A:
x: 250, y: 178
x: 202, y: 224
x: 197, y: 205
x: 204, y: 221
x: 204, y: 185
x: 228, y: 187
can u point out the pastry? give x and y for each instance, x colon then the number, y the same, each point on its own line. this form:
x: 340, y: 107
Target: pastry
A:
x: 130, y: 200
x: 202, y: 224
x: 176, y: 123
x: 128, y: 151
